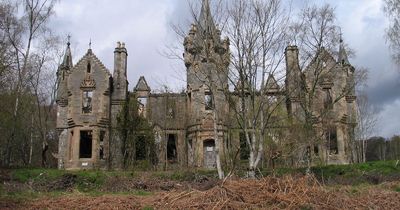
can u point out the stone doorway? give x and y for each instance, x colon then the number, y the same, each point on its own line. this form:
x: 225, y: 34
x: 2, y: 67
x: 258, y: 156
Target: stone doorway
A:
x: 209, y: 154
x: 171, y: 148
x: 85, y: 144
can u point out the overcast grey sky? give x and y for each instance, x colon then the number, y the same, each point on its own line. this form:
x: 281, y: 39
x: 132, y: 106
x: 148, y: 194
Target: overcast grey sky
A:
x: 144, y: 25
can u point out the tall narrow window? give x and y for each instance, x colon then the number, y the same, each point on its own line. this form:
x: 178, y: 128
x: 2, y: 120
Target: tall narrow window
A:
x: 142, y: 103
x: 208, y: 101
x: 171, y: 148
x: 101, y: 149
x: 331, y: 138
x: 87, y: 102
x: 89, y: 68
x: 85, y: 144
x: 328, y: 103
x: 141, y: 150
x: 244, y: 148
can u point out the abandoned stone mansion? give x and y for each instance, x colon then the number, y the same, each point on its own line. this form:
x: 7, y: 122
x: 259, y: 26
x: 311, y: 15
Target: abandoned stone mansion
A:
x: 90, y: 98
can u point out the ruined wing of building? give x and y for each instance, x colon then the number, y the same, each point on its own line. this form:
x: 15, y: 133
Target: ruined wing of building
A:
x: 90, y: 98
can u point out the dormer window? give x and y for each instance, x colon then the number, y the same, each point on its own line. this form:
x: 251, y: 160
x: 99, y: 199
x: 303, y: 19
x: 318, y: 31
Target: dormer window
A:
x: 89, y: 68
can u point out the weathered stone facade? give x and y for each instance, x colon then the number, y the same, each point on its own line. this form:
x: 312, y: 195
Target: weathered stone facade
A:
x: 90, y: 100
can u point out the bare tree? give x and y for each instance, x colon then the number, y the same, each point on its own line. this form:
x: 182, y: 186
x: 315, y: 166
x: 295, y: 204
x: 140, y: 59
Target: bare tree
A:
x: 44, y: 61
x: 366, y: 119
x: 257, y: 31
x: 23, y: 31
x: 392, y: 9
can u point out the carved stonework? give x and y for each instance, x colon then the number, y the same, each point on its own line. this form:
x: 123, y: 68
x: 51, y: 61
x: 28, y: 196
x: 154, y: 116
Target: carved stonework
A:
x: 88, y: 83
x: 350, y: 98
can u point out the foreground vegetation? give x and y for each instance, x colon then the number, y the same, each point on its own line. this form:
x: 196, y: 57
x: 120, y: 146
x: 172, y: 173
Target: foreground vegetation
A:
x: 36, y: 182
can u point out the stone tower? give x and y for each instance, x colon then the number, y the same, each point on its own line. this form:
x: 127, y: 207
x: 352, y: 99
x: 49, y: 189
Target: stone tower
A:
x: 293, y: 82
x: 119, y: 97
x: 206, y: 58
x: 62, y: 104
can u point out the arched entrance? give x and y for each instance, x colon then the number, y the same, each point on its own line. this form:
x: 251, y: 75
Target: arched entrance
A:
x: 209, y: 153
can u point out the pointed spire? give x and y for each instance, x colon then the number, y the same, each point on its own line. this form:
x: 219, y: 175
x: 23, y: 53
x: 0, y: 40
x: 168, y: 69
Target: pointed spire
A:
x: 67, y: 61
x: 206, y: 21
x: 90, y: 46
x: 342, y: 58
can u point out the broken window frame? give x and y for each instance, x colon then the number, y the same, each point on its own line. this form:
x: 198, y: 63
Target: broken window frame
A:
x: 87, y: 107
x: 332, y: 141
x: 142, y: 104
x: 208, y: 101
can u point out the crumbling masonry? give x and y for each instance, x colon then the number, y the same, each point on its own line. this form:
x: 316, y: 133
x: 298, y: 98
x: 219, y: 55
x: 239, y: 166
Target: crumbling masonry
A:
x: 89, y: 100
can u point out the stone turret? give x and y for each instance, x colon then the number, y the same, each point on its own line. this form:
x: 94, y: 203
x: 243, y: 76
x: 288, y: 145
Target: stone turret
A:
x: 206, y: 57
x: 62, y: 104
x: 62, y: 77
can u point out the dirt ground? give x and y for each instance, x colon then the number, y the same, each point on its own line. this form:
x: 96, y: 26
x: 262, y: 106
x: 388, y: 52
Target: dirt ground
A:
x: 303, y: 192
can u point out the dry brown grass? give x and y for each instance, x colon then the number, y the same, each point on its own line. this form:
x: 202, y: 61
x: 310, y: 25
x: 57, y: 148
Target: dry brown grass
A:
x: 269, y: 193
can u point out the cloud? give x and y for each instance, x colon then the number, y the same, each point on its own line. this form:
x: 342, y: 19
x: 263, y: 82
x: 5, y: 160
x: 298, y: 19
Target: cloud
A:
x: 145, y: 28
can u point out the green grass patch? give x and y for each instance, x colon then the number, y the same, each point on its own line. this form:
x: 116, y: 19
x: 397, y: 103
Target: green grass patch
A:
x: 25, y: 175
x: 143, y: 193
x: 397, y: 189
x: 355, y: 170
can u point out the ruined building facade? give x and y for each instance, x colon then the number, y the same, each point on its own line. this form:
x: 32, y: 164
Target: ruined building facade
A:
x: 90, y: 100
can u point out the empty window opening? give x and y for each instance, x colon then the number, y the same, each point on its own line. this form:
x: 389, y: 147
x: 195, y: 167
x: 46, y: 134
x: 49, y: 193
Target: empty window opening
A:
x: 71, y: 140
x: 331, y: 138
x: 171, y: 147
x: 328, y: 103
x: 101, y: 149
x: 87, y: 102
x: 142, y: 103
x: 227, y: 142
x: 85, y: 144
x: 190, y: 143
x: 141, y: 148
x: 208, y: 101
x: 89, y: 68
x: 244, y: 148
x: 316, y: 150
